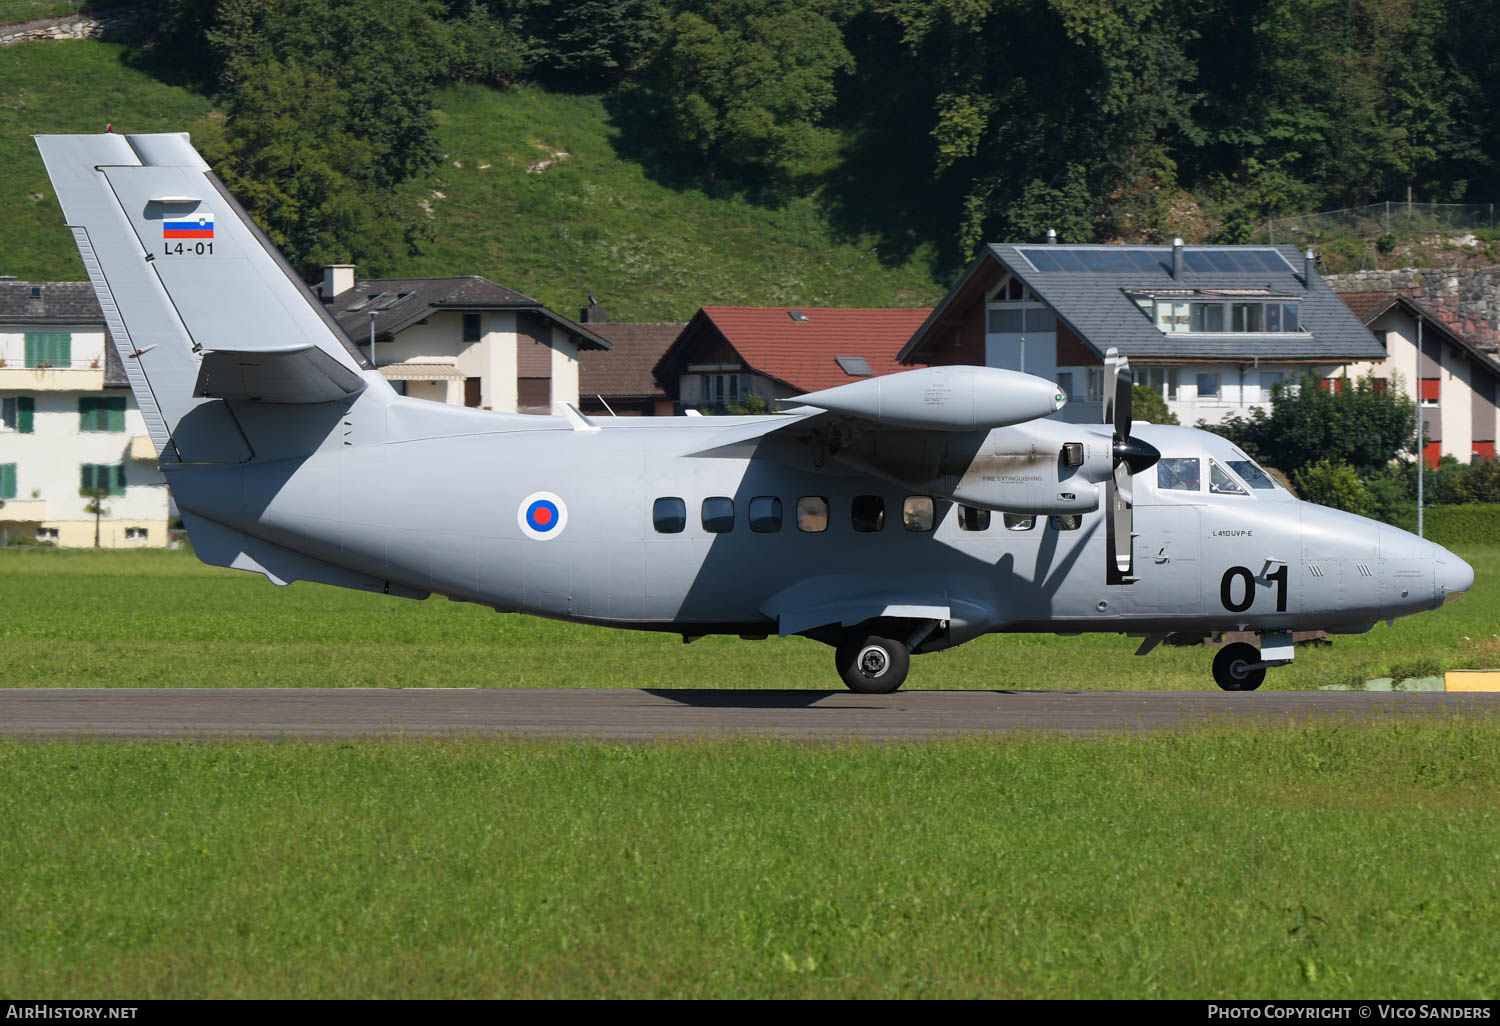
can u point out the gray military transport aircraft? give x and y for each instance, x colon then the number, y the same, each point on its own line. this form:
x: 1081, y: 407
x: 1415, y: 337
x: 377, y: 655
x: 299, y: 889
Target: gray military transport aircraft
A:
x: 890, y: 516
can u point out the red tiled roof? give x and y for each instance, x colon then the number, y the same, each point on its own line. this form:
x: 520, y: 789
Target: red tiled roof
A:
x: 802, y: 353
x: 626, y: 370
x: 1368, y: 305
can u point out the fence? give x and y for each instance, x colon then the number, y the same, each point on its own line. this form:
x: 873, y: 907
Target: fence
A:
x: 1376, y: 219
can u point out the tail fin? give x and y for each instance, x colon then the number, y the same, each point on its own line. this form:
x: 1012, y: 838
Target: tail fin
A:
x: 202, y: 308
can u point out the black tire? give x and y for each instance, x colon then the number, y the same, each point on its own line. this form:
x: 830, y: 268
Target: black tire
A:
x: 872, y: 665
x: 1233, y: 670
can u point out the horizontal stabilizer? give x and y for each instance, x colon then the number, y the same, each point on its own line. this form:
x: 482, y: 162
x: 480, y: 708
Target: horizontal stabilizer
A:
x: 297, y: 375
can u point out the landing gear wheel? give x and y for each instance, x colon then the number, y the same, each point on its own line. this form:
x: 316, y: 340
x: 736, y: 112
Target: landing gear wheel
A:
x: 872, y: 665
x: 1235, y: 670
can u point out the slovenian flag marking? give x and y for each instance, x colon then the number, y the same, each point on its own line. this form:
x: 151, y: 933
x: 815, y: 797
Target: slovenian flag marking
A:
x: 199, y: 226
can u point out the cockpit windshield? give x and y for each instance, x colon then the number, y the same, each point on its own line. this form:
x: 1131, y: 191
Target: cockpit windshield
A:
x: 1251, y: 474
x: 1220, y: 483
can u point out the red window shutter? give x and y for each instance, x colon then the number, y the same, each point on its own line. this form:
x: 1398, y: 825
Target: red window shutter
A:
x: 1429, y: 390
x: 1380, y: 385
x: 1484, y: 450
x: 1432, y: 452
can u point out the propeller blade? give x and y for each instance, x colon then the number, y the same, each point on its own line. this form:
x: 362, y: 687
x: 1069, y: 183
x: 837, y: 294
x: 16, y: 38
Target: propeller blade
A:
x: 1122, y: 519
x: 1124, y: 381
x: 1111, y: 364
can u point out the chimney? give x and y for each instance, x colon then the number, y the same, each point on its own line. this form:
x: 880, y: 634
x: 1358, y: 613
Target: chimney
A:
x: 593, y: 313
x: 1177, y: 259
x: 1051, y: 236
x: 1309, y: 263
x: 337, y: 279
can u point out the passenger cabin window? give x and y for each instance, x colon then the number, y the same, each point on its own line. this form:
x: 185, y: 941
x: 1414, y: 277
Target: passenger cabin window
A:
x: 972, y: 519
x: 765, y: 514
x: 812, y: 514
x: 867, y: 513
x: 1066, y: 521
x: 917, y: 513
x: 1019, y: 521
x: 1220, y: 483
x: 1179, y: 475
x: 718, y: 514
x: 1251, y: 474
x: 669, y: 515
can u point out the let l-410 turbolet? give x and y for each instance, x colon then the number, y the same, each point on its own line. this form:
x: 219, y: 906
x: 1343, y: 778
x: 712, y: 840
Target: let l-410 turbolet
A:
x: 894, y: 515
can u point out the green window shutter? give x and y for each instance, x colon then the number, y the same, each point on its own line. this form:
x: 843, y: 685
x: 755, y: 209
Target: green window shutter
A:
x: 88, y: 478
x: 86, y: 414
x: 49, y: 349
x: 115, y: 411
x: 25, y: 414
x: 117, y: 480
x: 7, y: 480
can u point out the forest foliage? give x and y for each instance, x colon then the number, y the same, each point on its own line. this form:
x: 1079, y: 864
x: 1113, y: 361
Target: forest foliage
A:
x: 946, y: 121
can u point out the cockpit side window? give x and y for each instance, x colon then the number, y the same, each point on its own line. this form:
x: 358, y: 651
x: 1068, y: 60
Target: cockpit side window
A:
x: 1220, y: 483
x: 1251, y: 474
x: 1179, y: 474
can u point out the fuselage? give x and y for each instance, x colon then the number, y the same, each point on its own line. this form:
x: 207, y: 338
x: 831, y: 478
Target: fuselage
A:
x: 437, y: 506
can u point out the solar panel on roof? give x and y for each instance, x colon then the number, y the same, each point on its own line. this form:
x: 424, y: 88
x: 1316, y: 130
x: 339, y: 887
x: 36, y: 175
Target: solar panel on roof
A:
x: 1221, y: 260
x: 1145, y: 260
x: 1093, y: 260
x: 1197, y: 260
x: 1116, y: 260
x: 362, y: 303
x: 1040, y: 259
x: 1272, y: 260
x: 1067, y: 260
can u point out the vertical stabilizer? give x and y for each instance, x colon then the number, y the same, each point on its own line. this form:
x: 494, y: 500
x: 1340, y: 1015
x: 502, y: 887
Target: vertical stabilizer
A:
x: 183, y: 274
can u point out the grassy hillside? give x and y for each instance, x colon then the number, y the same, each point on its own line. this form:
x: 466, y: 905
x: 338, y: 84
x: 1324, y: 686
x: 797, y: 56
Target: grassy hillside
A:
x: 589, y: 219
x: 71, y: 86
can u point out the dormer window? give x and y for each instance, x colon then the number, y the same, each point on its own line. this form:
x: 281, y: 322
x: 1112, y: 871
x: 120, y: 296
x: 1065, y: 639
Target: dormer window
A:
x: 1200, y: 312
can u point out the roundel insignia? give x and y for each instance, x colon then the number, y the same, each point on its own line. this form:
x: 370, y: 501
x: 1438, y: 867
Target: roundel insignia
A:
x: 542, y: 516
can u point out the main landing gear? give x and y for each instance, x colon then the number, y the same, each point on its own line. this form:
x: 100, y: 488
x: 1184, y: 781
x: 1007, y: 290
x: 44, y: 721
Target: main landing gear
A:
x: 871, y: 664
x: 873, y: 657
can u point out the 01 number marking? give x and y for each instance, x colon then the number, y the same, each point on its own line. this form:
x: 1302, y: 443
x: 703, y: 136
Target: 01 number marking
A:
x: 191, y: 248
x: 1227, y: 588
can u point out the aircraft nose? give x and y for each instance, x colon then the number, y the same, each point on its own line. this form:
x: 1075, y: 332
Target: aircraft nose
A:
x: 1454, y: 576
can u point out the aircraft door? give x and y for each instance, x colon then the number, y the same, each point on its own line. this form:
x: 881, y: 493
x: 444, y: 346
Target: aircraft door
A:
x: 1168, y: 562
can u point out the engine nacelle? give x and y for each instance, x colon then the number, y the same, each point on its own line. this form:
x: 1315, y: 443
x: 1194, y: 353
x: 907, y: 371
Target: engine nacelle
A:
x: 944, y: 398
x: 1043, y: 468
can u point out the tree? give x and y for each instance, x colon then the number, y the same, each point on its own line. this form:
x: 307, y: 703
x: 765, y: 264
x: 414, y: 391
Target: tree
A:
x: 330, y: 108
x: 1147, y: 404
x: 1364, y: 423
x: 747, y: 83
x: 1332, y: 483
x: 95, y: 506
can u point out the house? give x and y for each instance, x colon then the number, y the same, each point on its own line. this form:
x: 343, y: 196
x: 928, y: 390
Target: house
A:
x: 621, y: 381
x: 69, y: 423
x: 1455, y: 382
x: 465, y: 340
x: 727, y: 353
x: 1211, y: 328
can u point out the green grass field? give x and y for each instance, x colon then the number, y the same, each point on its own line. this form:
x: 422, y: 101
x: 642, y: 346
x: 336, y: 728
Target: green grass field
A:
x: 154, y: 618
x: 1315, y: 862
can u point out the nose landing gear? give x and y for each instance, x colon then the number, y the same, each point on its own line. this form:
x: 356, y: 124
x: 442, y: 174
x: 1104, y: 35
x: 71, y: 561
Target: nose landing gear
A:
x: 1237, y: 667
x: 1242, y: 667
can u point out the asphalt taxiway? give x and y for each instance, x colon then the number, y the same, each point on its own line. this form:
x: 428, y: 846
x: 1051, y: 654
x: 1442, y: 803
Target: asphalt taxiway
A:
x: 676, y: 713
